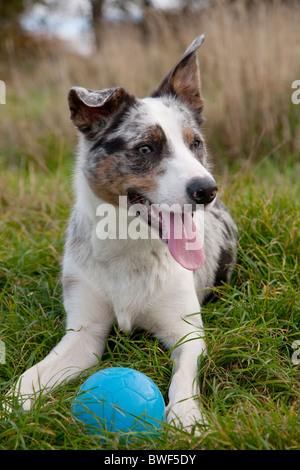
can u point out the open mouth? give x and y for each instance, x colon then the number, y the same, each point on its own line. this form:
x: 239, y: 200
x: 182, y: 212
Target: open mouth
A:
x: 177, y: 230
x: 146, y: 211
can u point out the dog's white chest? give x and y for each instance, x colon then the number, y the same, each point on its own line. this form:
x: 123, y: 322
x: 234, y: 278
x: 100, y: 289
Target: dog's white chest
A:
x: 132, y: 277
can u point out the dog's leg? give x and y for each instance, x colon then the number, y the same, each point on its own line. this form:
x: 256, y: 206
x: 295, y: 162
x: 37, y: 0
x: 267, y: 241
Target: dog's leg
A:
x: 88, y: 324
x: 183, y: 392
x: 180, y: 328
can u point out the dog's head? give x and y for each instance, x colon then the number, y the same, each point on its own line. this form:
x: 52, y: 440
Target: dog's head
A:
x: 150, y: 149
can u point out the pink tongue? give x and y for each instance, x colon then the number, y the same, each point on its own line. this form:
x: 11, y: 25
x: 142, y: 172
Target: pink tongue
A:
x: 183, y: 240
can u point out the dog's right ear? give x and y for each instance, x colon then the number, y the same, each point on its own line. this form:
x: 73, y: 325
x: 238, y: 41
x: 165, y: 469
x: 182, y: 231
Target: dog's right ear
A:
x: 91, y: 109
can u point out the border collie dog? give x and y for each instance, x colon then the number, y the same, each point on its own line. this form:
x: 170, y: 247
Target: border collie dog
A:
x: 147, y: 238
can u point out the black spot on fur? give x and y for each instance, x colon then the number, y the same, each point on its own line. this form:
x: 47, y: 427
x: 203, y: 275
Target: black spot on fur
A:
x: 223, y: 272
x: 224, y: 267
x: 116, y: 120
x: 121, y: 116
x: 113, y: 146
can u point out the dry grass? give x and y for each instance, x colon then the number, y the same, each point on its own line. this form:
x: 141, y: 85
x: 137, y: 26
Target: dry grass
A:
x: 248, y: 63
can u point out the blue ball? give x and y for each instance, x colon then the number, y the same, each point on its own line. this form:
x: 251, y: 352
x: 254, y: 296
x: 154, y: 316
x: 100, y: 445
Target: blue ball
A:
x: 119, y: 399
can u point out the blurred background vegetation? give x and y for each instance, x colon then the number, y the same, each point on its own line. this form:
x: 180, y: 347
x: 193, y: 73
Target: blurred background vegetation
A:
x: 248, y: 62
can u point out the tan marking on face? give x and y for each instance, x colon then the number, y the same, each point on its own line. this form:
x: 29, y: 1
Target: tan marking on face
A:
x: 188, y: 136
x: 108, y: 183
x: 155, y: 133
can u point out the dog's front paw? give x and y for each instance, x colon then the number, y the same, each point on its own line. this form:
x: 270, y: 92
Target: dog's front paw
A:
x: 25, y: 389
x: 186, y: 414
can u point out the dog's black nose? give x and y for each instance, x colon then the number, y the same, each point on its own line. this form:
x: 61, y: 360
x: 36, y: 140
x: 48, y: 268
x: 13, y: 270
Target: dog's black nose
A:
x: 202, y: 190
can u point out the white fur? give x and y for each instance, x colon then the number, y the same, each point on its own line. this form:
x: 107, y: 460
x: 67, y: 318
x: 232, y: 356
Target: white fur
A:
x: 183, y: 166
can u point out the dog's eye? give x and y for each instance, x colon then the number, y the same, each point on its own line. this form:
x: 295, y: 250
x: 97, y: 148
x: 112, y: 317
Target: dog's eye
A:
x: 197, y: 144
x: 144, y: 149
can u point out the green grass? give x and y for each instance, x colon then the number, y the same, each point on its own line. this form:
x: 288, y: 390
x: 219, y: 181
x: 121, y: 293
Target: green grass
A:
x: 249, y: 386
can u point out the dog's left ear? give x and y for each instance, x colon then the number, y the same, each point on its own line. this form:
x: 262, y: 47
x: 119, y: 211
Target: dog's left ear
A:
x: 184, y: 79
